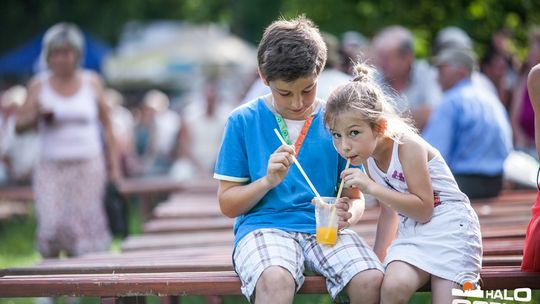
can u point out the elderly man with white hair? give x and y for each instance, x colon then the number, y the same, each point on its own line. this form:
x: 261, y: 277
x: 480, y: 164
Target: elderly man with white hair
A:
x: 413, y: 80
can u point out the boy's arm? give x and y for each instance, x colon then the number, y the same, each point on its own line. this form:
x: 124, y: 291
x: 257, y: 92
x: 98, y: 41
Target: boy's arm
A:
x: 386, y: 230
x: 237, y: 198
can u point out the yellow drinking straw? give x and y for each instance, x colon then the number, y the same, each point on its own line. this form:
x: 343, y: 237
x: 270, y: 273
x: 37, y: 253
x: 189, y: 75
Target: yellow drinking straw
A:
x: 342, y: 180
x: 333, y: 214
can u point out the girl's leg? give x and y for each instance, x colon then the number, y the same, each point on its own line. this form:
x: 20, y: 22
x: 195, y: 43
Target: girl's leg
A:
x: 441, y: 290
x: 401, y: 281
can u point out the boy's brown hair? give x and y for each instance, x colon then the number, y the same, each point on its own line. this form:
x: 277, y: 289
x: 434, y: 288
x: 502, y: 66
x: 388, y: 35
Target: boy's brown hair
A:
x: 291, y: 49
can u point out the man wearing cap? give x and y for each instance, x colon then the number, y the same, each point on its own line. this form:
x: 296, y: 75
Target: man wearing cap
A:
x: 470, y: 127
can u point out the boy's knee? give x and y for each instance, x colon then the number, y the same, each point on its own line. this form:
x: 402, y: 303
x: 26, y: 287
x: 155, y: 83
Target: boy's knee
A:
x: 366, y: 284
x: 275, y: 278
x: 371, y: 279
x: 395, y: 289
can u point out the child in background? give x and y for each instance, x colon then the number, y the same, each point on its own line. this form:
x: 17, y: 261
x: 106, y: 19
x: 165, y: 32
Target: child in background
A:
x: 438, y: 238
x: 275, y: 221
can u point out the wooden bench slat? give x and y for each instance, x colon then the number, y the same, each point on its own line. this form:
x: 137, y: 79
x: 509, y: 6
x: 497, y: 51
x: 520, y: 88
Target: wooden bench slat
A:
x: 198, y: 283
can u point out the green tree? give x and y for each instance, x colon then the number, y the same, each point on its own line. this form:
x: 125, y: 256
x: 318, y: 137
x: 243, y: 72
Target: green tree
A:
x: 22, y: 19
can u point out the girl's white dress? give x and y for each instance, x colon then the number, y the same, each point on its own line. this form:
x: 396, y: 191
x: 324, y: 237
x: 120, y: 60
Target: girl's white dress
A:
x: 450, y: 244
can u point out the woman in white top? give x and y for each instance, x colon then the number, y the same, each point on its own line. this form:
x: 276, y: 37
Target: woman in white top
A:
x: 66, y: 106
x: 438, y: 235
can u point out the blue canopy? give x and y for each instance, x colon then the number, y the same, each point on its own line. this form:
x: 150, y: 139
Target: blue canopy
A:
x: 23, y: 60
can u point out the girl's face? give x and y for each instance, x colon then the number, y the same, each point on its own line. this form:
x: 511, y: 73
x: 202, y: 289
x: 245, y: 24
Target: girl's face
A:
x: 353, y: 137
x: 295, y: 99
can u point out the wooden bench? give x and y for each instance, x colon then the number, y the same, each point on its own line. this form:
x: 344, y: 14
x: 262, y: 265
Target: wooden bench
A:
x: 146, y: 190
x: 199, y: 263
x: 9, y: 208
x: 14, y: 200
x: 109, y: 286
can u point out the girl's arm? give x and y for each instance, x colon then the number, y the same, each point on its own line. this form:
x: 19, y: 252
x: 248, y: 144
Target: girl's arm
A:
x: 236, y: 198
x: 387, y: 226
x: 418, y: 204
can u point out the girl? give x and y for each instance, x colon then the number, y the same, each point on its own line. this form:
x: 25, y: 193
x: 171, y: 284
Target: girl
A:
x: 438, y: 238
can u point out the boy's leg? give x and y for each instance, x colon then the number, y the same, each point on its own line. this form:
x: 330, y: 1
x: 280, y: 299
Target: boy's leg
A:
x: 365, y: 287
x: 350, y: 265
x: 275, y: 285
x: 441, y: 290
x: 270, y: 264
x: 401, y: 281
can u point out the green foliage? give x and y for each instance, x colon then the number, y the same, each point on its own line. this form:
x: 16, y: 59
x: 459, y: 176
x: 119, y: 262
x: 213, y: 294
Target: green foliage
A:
x: 21, y: 20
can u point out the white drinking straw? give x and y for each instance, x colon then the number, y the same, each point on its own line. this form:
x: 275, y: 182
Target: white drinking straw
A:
x: 300, y: 168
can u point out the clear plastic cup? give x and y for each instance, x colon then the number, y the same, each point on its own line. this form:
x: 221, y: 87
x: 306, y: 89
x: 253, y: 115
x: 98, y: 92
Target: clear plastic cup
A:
x: 327, y: 221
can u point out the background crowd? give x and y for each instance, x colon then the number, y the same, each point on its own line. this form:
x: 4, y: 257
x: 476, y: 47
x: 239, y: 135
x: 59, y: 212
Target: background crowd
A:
x: 472, y: 106
x: 158, y: 132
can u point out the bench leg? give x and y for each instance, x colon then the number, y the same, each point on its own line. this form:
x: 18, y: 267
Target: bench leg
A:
x: 169, y: 300
x: 123, y: 300
x: 214, y: 300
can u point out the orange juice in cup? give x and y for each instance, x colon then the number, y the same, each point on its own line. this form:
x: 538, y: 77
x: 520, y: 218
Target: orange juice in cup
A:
x: 327, y: 221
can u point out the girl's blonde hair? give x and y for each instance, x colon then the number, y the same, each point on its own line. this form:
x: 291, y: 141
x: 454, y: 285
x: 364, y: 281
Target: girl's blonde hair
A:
x: 366, y: 96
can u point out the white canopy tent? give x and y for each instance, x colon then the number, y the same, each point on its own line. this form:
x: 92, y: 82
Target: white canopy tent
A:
x: 178, y: 55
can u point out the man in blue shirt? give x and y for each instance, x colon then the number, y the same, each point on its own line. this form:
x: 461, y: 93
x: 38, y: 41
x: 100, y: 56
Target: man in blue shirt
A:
x: 470, y: 127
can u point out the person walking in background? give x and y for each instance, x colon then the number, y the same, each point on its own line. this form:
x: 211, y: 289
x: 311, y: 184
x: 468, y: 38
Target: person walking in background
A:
x: 521, y: 111
x: 413, y: 80
x: 496, y: 68
x: 66, y: 106
x: 156, y: 130
x: 199, y: 137
x: 331, y: 76
x: 531, y: 250
x: 123, y: 126
x: 470, y: 127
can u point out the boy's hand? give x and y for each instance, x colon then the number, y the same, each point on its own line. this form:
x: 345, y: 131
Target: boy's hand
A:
x: 278, y: 165
x: 343, y: 204
x: 355, y: 177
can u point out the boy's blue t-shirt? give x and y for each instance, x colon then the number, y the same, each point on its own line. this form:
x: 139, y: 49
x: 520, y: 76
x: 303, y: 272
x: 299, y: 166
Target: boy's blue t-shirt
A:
x: 247, y: 144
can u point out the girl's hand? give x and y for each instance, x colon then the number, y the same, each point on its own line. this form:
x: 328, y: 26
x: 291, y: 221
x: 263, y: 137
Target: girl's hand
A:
x: 355, y: 177
x: 278, y: 165
x: 343, y: 204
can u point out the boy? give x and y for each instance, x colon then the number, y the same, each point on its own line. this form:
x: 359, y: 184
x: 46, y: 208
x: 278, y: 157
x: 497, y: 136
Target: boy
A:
x: 275, y: 220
